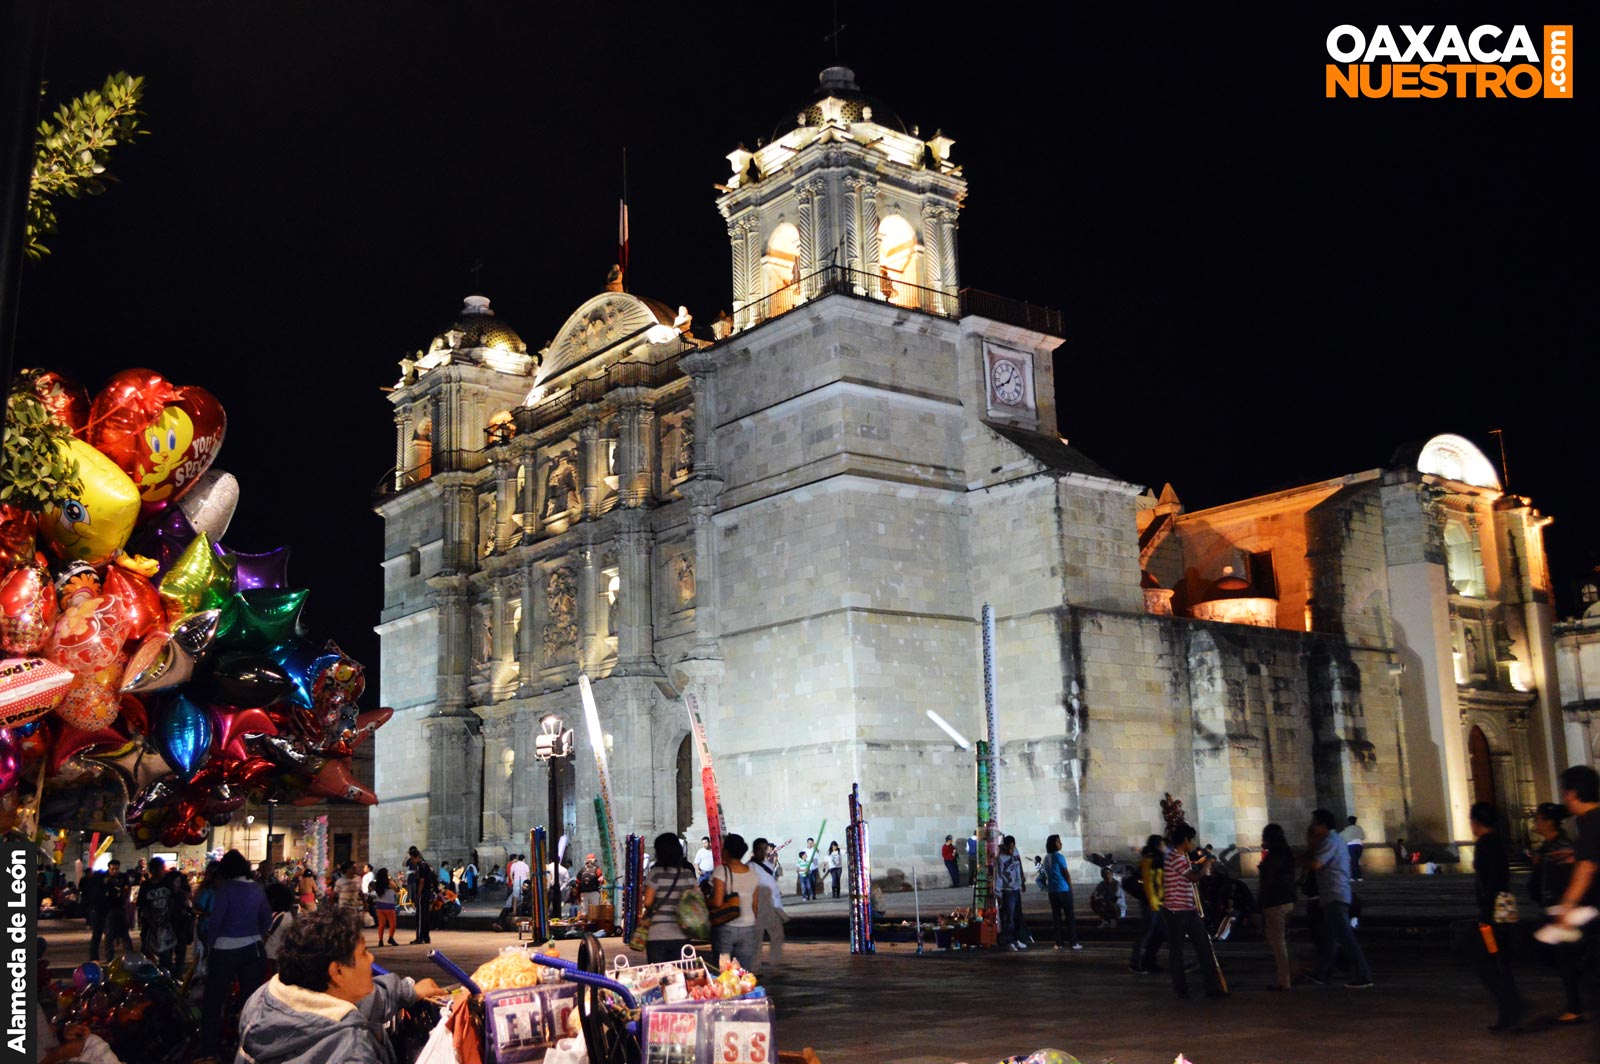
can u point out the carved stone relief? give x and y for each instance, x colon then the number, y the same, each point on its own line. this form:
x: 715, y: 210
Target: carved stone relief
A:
x: 561, y: 485
x: 683, y: 577
x: 561, y: 597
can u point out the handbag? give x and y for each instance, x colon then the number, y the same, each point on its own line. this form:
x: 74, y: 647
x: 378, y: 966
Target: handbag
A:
x: 1505, y: 907
x: 694, y: 918
x: 729, y: 910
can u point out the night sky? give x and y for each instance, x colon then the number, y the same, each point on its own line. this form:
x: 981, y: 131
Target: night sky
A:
x: 1261, y: 287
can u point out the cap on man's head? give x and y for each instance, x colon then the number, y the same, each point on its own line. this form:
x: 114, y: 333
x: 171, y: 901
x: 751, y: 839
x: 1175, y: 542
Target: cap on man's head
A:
x: 588, y: 857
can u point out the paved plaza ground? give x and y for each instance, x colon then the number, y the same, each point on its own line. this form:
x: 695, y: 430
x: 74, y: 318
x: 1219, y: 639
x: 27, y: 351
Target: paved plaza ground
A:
x: 974, y: 1006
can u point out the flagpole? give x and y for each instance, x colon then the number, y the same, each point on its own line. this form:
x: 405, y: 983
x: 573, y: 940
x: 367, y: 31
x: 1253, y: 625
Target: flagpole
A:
x: 622, y: 222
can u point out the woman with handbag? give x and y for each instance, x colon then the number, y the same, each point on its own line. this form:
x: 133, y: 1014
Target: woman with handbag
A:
x: 664, y: 887
x: 733, y: 905
x: 1553, y: 864
x: 1497, y: 914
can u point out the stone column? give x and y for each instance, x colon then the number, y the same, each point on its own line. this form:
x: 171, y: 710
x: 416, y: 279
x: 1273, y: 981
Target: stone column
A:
x: 500, y: 618
x: 932, y: 259
x: 869, y: 234
x: 588, y: 616
x: 636, y: 626
x: 402, y: 447
x: 852, y: 234
x: 528, y: 637
x: 455, y: 774
x: 505, y: 500
x: 495, y: 733
x: 591, y: 467
x: 806, y: 203
x: 528, y: 504
x: 634, y: 464
x: 740, y: 295
x: 454, y: 664
x: 756, y: 311
x: 703, y: 493
x: 705, y: 421
x: 948, y: 270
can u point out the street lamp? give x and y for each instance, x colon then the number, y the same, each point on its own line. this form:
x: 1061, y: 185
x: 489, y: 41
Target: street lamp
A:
x: 553, y: 743
x: 249, y: 822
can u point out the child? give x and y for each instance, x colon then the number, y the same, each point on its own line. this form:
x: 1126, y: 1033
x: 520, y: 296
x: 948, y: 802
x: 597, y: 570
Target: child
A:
x: 803, y: 876
x: 1108, y: 901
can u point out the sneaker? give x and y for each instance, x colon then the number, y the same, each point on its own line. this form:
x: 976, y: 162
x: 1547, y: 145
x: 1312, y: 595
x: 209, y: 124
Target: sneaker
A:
x: 1360, y: 984
x: 1022, y: 945
x: 1077, y: 945
x: 1012, y: 946
x: 1313, y: 979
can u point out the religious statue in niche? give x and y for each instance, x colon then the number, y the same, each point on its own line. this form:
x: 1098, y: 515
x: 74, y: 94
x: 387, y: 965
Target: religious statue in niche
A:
x: 561, y: 596
x: 683, y: 574
x: 483, y: 629
x: 613, y: 606
x: 682, y: 446
x: 560, y: 485
x: 1471, y: 638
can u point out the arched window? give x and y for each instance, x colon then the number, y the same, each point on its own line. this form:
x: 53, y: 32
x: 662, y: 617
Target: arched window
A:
x: 420, y: 466
x: 1482, y: 765
x: 899, y: 262
x: 781, y: 270
x: 1463, y: 561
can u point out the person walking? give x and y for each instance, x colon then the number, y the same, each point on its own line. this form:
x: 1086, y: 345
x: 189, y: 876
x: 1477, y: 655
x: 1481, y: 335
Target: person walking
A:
x: 347, y: 889
x: 92, y: 895
x: 816, y: 868
x: 703, y: 860
x: 240, y: 920
x: 422, y: 880
x: 469, y: 878
x: 1579, y: 787
x: 1178, y: 903
x: 384, y: 905
x: 182, y: 919
x: 1058, y: 881
x: 1010, y: 882
x: 590, y: 880
x: 307, y: 886
x: 664, y: 887
x: 802, y: 876
x: 1152, y: 867
x: 1276, y: 898
x: 157, y: 937
x: 736, y: 938
x: 972, y: 858
x: 116, y: 921
x: 835, y: 866
x: 770, y: 916
x: 1329, y: 859
x: 1552, y: 871
x: 1355, y: 838
x: 1491, y: 877
x: 947, y: 854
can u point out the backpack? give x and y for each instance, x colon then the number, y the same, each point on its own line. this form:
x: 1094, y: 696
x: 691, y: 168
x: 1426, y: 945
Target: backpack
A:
x: 694, y: 916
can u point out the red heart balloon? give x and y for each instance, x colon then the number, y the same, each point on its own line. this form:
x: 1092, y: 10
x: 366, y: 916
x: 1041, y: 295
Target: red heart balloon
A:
x: 137, y: 601
x: 65, y: 399
x: 27, y: 609
x: 18, y: 531
x: 233, y: 724
x: 163, y: 436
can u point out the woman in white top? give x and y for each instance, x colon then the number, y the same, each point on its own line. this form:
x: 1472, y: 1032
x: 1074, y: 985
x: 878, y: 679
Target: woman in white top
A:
x: 738, y: 937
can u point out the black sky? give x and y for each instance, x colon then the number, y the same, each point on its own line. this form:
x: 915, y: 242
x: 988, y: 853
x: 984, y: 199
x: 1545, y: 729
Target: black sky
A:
x: 1261, y: 287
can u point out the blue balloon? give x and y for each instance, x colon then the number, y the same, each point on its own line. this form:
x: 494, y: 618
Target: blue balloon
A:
x: 304, y: 661
x: 183, y: 735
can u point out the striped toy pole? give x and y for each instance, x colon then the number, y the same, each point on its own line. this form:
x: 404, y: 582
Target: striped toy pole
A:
x: 539, y: 849
x: 608, y: 823
x: 708, y: 778
x: 860, y: 862
x: 602, y: 817
x: 633, y: 858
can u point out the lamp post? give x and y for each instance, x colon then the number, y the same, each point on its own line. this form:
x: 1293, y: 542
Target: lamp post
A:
x: 553, y: 743
x: 249, y: 822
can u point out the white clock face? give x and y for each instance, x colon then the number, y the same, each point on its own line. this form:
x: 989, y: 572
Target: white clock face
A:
x: 1006, y: 377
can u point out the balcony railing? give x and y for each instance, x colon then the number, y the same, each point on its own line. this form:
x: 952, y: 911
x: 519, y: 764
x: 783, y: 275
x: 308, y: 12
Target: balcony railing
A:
x: 397, y: 480
x: 592, y: 389
x: 1011, y: 311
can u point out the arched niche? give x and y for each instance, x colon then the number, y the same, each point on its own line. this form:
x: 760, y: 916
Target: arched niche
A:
x: 899, y: 261
x: 780, y: 269
x: 1464, y: 560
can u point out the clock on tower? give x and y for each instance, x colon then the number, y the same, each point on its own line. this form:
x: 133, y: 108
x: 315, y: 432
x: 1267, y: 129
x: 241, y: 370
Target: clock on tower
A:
x: 1010, y: 381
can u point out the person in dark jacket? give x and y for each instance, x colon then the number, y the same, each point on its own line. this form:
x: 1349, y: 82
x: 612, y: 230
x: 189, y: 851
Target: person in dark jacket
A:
x: 92, y: 892
x: 239, y: 921
x: 158, y: 937
x: 1491, y: 871
x: 116, y: 921
x: 421, y: 879
x: 325, y: 1006
x: 1277, y: 898
x: 1553, y: 862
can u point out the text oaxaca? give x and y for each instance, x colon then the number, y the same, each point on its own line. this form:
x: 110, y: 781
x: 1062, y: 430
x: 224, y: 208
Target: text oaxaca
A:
x: 1431, y: 62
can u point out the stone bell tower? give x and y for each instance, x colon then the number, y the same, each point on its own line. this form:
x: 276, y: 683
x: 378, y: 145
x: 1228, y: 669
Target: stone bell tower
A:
x: 843, y: 198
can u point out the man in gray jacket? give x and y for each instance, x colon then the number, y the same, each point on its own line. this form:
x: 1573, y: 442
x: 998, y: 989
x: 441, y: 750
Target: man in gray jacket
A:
x: 325, y: 1006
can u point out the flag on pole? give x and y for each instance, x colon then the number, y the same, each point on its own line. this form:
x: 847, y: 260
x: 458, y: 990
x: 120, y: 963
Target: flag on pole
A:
x: 622, y: 237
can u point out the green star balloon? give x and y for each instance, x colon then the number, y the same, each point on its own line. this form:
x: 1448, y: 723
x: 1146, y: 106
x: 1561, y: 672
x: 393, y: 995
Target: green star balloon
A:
x: 198, y: 580
x: 261, y: 618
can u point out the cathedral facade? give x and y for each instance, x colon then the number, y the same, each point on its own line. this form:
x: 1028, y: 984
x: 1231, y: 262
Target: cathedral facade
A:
x: 798, y: 514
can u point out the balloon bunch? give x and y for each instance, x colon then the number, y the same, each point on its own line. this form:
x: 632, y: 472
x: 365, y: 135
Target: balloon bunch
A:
x: 131, y: 1003
x: 146, y: 655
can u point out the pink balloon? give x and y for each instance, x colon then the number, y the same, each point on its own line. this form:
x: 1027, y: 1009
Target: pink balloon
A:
x: 10, y: 761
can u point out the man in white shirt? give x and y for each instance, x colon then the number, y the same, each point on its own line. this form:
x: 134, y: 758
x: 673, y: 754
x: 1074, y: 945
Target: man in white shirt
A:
x: 703, y: 861
x: 1354, y: 837
x: 518, y: 874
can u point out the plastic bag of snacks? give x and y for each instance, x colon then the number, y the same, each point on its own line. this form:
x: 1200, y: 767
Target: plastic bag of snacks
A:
x: 513, y: 968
